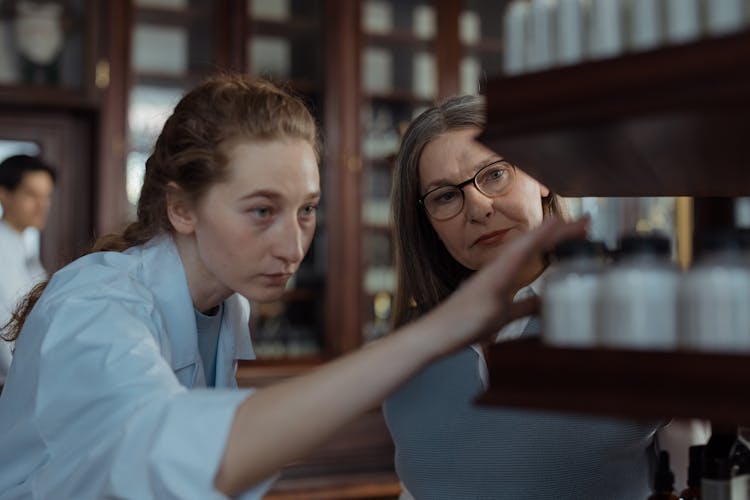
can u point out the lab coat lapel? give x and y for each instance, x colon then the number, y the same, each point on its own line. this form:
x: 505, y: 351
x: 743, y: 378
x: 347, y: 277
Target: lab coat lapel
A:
x: 164, y: 275
x: 234, y: 340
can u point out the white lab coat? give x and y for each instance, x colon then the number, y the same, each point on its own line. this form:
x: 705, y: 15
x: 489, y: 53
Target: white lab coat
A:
x: 97, y: 402
x: 20, y: 270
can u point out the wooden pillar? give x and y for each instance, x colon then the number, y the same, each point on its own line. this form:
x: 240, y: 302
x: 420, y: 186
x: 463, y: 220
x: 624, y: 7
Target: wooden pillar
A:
x: 342, y: 167
x: 110, y: 200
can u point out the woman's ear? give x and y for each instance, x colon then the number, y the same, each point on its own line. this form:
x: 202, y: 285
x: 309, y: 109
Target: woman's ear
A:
x: 543, y: 190
x: 180, y: 210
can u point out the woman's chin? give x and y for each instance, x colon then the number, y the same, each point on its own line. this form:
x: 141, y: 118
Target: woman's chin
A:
x: 264, y: 295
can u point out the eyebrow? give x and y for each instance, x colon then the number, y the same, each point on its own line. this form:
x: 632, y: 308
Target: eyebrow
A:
x: 274, y: 195
x: 477, y: 166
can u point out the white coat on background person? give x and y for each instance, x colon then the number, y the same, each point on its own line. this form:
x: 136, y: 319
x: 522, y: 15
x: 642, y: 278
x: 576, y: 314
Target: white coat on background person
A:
x: 26, y: 185
x: 156, y: 438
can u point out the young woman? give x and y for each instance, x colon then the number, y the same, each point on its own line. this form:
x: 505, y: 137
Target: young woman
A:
x: 458, y: 205
x: 108, y: 394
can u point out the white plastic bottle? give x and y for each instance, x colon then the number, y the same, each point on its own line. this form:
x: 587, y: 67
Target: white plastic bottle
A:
x: 637, y: 298
x: 515, y: 34
x: 714, y: 297
x: 569, y: 294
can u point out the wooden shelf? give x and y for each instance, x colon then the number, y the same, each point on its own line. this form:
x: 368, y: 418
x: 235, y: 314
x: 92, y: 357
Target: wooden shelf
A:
x: 401, y: 40
x: 638, y: 384
x: 292, y: 28
x: 661, y: 123
x: 377, y: 485
x: 45, y: 97
x: 399, y: 97
x: 169, y: 17
x: 486, y: 46
x: 184, y: 81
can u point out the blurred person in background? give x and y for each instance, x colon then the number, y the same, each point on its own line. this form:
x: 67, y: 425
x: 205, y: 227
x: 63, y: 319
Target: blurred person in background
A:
x: 26, y: 185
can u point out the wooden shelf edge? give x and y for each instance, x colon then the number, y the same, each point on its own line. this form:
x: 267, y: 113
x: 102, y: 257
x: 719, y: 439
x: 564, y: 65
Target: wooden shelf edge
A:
x: 45, y: 97
x: 667, y: 78
x: 350, y: 486
x: 637, y: 384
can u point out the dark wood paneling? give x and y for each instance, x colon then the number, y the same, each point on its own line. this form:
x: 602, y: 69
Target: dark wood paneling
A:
x: 652, y: 124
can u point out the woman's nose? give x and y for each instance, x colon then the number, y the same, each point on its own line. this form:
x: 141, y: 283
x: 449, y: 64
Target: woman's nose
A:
x: 477, y: 205
x: 291, y: 247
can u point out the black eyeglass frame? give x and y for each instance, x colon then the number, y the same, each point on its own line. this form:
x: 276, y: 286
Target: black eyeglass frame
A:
x: 460, y: 187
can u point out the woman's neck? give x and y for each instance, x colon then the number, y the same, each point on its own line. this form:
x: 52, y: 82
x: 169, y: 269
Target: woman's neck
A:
x: 205, y: 290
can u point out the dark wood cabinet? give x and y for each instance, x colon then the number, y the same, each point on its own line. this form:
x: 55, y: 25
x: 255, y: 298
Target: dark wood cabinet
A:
x: 667, y: 122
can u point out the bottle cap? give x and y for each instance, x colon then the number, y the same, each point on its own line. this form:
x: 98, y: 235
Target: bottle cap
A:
x: 720, y: 240
x: 664, y: 480
x: 579, y: 247
x: 645, y: 244
x: 695, y: 469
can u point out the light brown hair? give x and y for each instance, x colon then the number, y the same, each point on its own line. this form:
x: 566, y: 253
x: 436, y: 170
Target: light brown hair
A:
x: 190, y: 152
x: 426, y: 272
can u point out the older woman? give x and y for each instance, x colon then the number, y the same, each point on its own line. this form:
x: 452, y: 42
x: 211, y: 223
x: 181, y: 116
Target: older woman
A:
x: 456, y: 204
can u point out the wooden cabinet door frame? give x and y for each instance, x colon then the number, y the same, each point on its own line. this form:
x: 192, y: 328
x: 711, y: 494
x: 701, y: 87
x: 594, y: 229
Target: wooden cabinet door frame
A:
x: 65, y: 143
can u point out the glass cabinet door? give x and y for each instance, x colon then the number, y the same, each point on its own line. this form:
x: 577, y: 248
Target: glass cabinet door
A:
x: 480, y: 36
x: 285, y: 44
x: 399, y: 80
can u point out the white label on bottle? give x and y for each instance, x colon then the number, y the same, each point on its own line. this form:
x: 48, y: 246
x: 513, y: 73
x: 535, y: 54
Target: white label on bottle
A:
x: 731, y: 489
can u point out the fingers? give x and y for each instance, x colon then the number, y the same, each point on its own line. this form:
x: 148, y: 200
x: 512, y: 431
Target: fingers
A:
x: 522, y: 308
x: 533, y: 244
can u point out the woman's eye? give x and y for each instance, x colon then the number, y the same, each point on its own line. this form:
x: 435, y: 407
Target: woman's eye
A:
x: 496, y: 174
x: 446, y: 197
x: 261, y: 212
x: 309, y: 210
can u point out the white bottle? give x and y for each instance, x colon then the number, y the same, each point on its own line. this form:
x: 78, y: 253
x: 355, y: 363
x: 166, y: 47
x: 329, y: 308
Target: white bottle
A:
x: 725, y: 16
x: 636, y: 306
x: 645, y: 24
x: 605, y: 26
x: 540, y: 54
x: 569, y: 294
x: 714, y: 297
x: 683, y: 20
x: 569, y: 32
x: 515, y: 29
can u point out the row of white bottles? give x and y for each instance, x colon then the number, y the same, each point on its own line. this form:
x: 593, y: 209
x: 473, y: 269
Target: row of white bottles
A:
x: 642, y: 301
x: 539, y: 34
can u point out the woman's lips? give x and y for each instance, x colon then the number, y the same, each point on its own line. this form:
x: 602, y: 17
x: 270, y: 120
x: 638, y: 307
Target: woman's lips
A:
x: 277, y: 279
x: 492, y: 238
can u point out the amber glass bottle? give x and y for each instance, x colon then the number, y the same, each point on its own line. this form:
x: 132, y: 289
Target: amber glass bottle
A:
x: 664, y: 480
x: 695, y: 471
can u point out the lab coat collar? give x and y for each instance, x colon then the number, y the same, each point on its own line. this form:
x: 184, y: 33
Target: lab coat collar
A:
x: 164, y: 275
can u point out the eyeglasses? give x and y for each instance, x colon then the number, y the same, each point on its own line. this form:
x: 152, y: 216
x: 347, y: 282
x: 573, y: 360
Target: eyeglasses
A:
x: 493, y: 180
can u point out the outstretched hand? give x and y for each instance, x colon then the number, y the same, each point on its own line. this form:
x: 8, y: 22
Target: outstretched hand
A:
x: 483, y: 304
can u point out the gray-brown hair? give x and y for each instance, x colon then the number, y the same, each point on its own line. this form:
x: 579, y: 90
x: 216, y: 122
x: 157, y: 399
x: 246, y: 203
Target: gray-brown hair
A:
x: 425, y: 270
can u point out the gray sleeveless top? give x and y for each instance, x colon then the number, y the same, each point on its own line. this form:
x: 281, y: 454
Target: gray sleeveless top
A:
x: 449, y: 448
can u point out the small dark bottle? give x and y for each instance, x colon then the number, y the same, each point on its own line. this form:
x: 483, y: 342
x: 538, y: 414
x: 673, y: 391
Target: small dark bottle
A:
x: 695, y: 472
x: 723, y: 478
x: 664, y: 480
